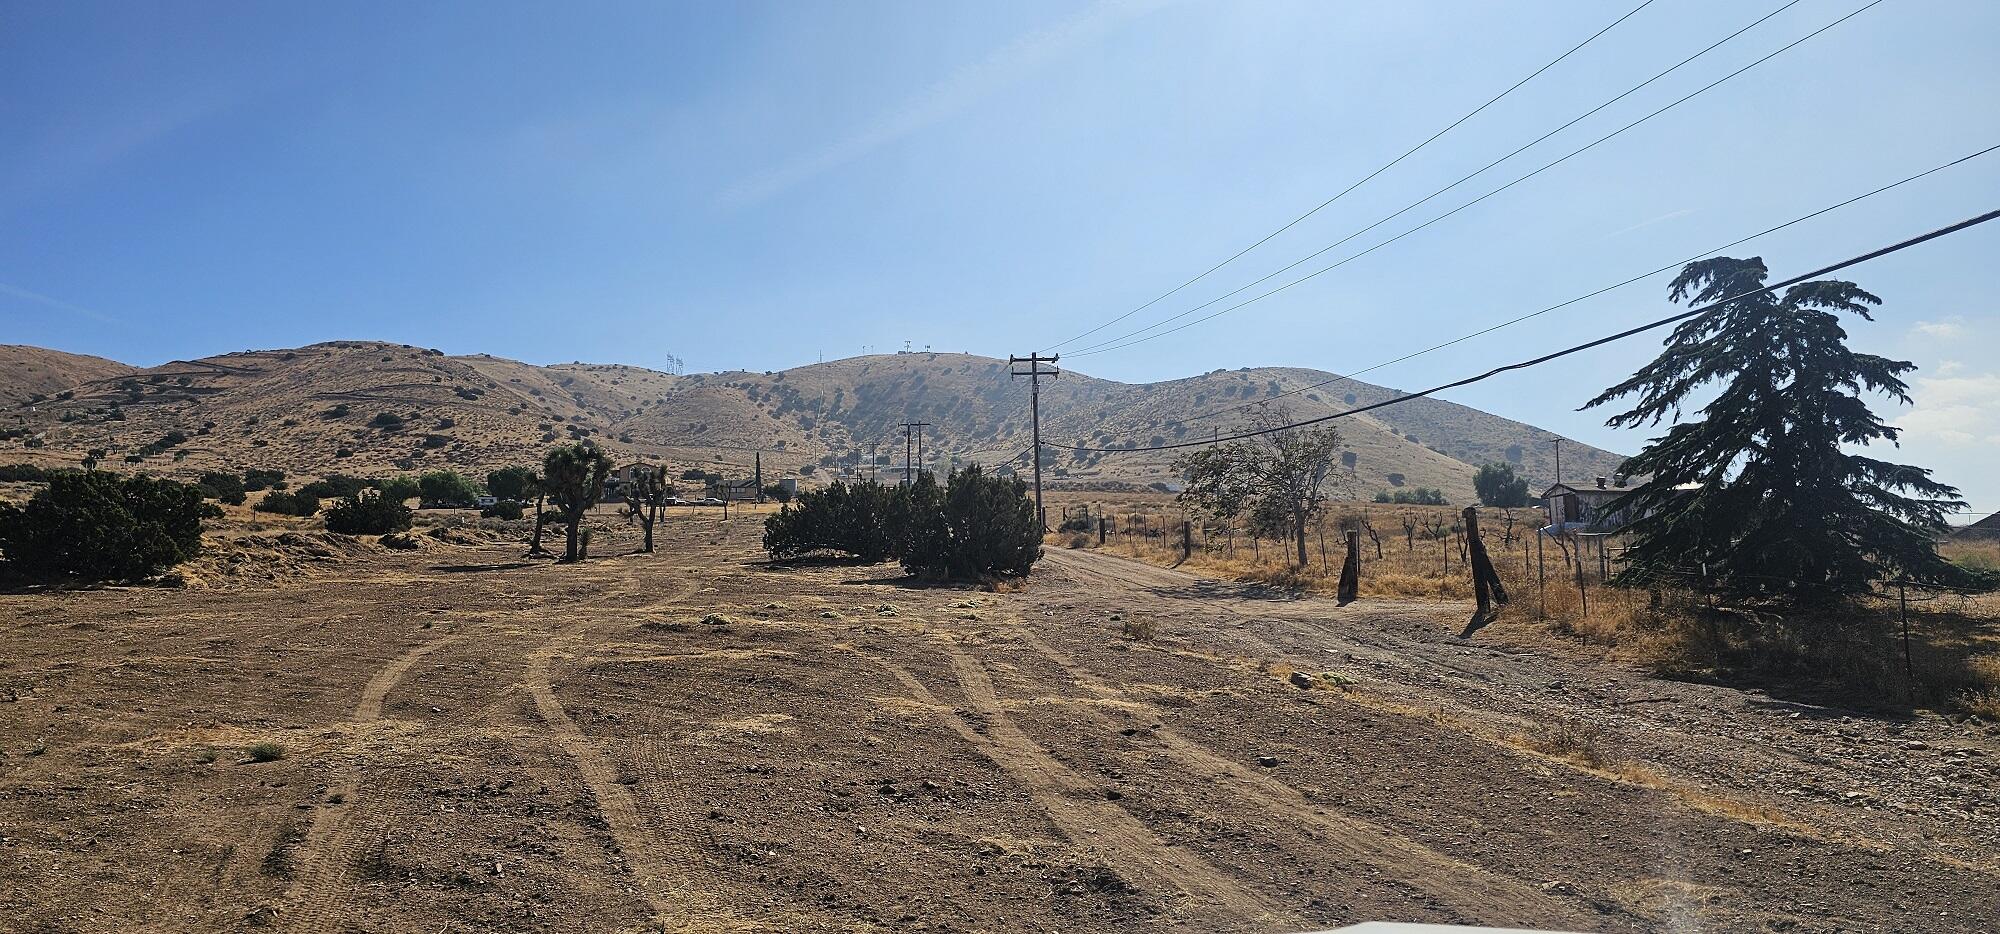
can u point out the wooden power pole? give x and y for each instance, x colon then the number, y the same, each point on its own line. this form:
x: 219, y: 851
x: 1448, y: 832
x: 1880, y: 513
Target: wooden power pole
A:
x: 1034, y: 373
x: 918, y: 429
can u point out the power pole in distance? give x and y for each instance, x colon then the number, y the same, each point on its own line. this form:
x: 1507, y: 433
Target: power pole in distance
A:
x: 1034, y: 373
x: 760, y: 476
x: 918, y: 427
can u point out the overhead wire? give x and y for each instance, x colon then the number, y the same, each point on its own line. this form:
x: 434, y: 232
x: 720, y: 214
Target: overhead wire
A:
x: 1578, y: 348
x: 1595, y: 292
x: 1363, y: 180
x: 1139, y: 336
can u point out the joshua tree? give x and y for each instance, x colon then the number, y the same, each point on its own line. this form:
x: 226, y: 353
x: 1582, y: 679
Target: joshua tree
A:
x: 644, y: 496
x: 574, y: 477
x: 533, y: 486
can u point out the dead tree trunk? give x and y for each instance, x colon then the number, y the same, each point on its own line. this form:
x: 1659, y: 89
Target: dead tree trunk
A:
x: 1350, y: 569
x: 1299, y: 537
x: 1486, y: 586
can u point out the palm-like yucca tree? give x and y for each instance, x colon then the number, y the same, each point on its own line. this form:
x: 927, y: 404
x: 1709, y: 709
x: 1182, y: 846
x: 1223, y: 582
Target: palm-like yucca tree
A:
x: 573, y: 476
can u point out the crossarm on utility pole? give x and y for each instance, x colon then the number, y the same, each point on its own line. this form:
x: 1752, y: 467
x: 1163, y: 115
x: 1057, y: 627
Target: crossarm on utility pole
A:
x: 1034, y: 373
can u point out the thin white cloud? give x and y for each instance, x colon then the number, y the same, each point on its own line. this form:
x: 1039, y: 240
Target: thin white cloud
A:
x: 1949, y: 329
x: 1952, y: 410
x: 961, y: 89
x: 1670, y: 215
x: 1953, y: 428
x: 38, y: 298
x: 1948, y: 368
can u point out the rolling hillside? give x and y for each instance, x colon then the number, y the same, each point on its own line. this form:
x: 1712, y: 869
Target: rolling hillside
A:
x: 30, y: 373
x: 368, y: 407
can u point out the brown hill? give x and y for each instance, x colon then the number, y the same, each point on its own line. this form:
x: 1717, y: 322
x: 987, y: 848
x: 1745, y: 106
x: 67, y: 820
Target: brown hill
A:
x: 33, y: 373
x: 369, y: 408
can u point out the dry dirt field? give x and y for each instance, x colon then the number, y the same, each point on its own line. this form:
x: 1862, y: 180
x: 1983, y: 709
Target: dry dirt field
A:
x: 696, y: 741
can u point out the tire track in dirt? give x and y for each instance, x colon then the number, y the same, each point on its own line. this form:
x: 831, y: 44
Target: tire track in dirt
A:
x: 1427, y: 677
x: 660, y: 864
x: 1079, y: 809
x: 317, y: 897
x: 1470, y: 891
x: 663, y: 865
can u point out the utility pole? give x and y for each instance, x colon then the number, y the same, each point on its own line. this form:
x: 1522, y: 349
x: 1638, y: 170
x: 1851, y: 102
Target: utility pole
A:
x: 1559, y: 460
x: 1034, y: 373
x: 920, y: 426
x: 874, y: 447
x: 760, y: 476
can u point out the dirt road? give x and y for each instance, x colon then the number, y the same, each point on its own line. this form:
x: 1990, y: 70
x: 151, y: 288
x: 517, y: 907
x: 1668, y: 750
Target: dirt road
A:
x: 695, y: 740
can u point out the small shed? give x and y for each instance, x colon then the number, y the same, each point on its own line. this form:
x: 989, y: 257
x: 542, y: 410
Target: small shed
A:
x: 1585, y: 508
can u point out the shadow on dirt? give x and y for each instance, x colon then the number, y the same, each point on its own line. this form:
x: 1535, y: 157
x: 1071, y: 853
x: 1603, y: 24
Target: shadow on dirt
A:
x: 481, y: 568
x: 906, y: 582
x: 809, y: 561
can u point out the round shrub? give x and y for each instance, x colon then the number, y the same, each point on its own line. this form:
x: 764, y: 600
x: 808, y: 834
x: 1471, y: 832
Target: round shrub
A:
x: 367, y: 513
x: 103, y: 526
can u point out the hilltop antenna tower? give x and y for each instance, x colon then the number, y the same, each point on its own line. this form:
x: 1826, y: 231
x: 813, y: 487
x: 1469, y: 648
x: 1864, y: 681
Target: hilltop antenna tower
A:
x: 1034, y: 373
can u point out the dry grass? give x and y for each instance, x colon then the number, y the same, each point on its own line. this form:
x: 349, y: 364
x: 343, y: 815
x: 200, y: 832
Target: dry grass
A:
x: 1573, y: 740
x: 1954, y: 649
x: 1142, y: 630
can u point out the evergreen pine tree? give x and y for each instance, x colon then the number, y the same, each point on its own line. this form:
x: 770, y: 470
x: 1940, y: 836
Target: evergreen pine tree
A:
x: 1774, y: 506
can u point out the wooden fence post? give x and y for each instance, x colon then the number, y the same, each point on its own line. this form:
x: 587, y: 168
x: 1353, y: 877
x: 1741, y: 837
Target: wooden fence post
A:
x: 1582, y: 595
x: 1541, y: 579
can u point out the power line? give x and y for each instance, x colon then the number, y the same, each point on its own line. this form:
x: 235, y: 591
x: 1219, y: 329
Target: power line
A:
x: 1593, y: 294
x: 1661, y: 322
x: 1134, y: 337
x: 1364, y: 179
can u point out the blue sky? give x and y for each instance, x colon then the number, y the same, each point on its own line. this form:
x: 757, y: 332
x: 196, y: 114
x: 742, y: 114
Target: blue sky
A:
x: 755, y: 185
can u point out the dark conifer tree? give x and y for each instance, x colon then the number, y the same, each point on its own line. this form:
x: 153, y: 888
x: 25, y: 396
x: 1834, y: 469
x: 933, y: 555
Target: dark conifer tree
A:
x: 1761, y: 493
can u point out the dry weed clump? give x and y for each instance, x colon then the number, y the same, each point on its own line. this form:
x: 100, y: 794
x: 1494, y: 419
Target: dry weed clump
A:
x: 1138, y: 630
x: 1983, y: 698
x: 1571, y: 740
